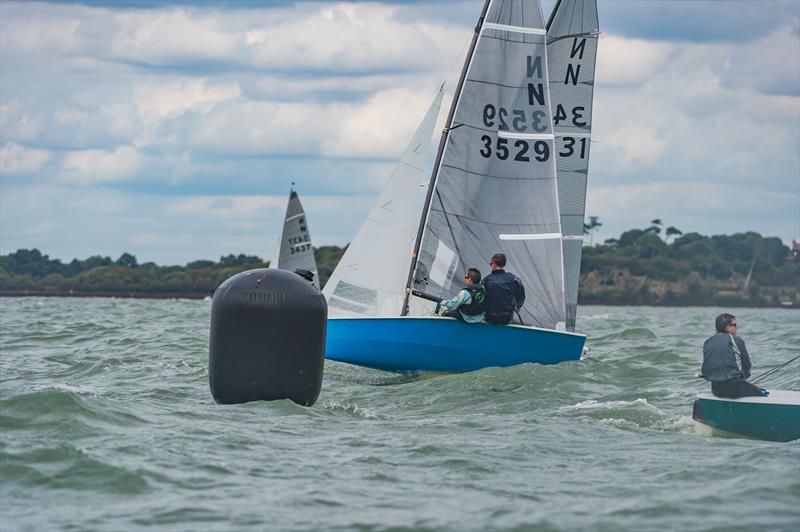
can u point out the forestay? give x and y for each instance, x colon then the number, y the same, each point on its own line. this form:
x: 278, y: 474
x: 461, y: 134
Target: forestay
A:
x: 495, y: 187
x: 296, y: 251
x: 572, y: 33
x: 370, y: 277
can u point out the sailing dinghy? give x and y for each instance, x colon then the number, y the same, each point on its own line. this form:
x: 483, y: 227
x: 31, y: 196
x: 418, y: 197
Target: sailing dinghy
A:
x: 774, y: 418
x: 295, y: 251
x: 493, y: 189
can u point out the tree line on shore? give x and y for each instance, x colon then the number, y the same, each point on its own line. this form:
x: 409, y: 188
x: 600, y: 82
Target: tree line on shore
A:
x: 639, y: 267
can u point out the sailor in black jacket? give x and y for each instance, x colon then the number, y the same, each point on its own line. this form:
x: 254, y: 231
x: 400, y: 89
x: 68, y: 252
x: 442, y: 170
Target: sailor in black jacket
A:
x: 505, y: 293
x: 726, y: 362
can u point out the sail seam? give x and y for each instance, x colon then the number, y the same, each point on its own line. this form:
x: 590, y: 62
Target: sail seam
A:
x: 527, y: 178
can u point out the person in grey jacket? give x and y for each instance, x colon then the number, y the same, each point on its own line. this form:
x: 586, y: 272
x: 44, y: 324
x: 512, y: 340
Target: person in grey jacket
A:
x: 726, y: 362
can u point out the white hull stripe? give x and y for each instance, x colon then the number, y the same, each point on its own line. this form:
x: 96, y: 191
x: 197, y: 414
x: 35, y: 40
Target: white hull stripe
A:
x: 515, y: 29
x: 537, y: 236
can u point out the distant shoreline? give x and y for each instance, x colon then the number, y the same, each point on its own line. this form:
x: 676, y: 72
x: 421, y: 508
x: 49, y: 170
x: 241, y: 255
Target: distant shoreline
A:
x: 203, y: 295
x: 122, y: 295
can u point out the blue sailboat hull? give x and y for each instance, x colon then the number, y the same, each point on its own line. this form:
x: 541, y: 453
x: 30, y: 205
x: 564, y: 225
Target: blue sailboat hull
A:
x: 444, y: 344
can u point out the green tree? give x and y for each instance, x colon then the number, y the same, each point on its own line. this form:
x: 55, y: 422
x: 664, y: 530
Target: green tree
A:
x: 589, y: 228
x: 673, y: 231
x: 126, y: 260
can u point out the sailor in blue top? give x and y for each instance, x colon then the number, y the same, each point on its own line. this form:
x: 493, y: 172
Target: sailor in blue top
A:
x: 505, y: 293
x: 726, y: 362
x: 469, y: 303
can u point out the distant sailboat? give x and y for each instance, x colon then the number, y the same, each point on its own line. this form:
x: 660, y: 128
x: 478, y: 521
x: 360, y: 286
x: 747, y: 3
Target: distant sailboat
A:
x: 295, y: 250
x: 572, y: 33
x: 493, y: 189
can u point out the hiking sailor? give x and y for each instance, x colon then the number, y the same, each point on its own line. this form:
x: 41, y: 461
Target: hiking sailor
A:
x: 469, y: 303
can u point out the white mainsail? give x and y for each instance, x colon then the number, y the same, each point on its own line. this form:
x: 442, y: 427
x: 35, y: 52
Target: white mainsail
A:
x: 296, y: 251
x: 370, y: 277
x: 572, y: 33
x: 494, y: 184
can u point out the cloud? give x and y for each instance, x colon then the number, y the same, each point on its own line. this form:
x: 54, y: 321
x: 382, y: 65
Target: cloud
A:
x: 180, y: 96
x: 16, y: 159
x: 190, y: 121
x: 625, y: 61
x: 86, y: 167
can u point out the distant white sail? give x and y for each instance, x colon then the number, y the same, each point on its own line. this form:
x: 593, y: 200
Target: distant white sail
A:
x: 572, y: 33
x: 371, y: 275
x: 296, y: 251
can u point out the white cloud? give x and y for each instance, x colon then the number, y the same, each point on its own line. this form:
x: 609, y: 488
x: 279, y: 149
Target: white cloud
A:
x: 16, y: 159
x: 180, y: 96
x: 85, y: 167
x: 625, y: 61
x: 380, y: 127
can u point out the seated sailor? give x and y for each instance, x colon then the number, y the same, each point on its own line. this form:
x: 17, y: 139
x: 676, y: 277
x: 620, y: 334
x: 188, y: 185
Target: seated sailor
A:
x: 505, y: 293
x: 469, y: 304
x: 726, y: 362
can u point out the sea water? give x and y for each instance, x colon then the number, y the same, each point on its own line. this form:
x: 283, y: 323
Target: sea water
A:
x: 107, y: 423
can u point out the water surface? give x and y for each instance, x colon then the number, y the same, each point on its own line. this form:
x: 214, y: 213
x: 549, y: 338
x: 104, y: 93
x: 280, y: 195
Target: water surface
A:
x: 107, y: 423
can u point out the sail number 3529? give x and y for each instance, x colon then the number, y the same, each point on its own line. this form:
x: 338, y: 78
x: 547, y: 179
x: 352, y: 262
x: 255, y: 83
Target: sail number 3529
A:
x: 520, y: 148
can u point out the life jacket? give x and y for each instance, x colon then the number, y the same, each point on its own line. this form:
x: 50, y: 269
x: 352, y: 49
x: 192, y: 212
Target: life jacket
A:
x: 477, y: 301
x: 502, y: 289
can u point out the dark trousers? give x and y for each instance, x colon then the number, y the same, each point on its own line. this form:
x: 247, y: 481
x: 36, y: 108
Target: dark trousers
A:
x: 498, y: 319
x: 735, y: 388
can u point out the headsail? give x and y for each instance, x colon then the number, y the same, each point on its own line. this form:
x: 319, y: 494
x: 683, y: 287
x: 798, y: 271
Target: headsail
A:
x: 296, y: 251
x: 370, y: 277
x: 494, y: 187
x: 571, y: 51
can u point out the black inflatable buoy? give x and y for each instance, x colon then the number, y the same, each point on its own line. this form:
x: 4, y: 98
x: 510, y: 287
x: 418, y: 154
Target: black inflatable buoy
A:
x: 267, y: 338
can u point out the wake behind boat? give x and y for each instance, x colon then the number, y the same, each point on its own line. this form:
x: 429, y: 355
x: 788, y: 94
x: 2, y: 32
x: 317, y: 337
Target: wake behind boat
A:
x: 774, y: 418
x: 493, y: 188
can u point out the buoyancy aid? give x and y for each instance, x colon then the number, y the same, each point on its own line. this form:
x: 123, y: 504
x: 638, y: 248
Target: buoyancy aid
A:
x: 477, y: 301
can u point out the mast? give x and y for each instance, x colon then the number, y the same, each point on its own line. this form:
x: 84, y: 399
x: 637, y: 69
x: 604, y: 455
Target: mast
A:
x: 435, y: 171
x: 552, y: 15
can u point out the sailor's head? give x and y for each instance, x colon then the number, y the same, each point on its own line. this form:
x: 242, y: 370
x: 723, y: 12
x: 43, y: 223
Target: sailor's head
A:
x: 472, y: 277
x: 726, y: 323
x: 498, y: 261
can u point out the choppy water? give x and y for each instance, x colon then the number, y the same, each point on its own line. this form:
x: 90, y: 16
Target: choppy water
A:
x: 107, y: 423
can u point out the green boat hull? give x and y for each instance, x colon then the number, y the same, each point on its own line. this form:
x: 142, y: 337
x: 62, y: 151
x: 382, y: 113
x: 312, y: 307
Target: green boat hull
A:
x: 773, y: 418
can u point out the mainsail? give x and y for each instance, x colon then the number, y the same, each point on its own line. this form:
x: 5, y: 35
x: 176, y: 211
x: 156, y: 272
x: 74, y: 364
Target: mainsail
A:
x: 572, y: 33
x: 296, y: 251
x: 370, y: 277
x: 494, y: 184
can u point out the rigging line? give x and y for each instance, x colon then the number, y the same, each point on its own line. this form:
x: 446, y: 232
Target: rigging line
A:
x: 450, y: 227
x: 773, y: 370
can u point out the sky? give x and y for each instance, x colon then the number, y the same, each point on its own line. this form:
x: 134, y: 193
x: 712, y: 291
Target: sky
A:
x: 174, y: 130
